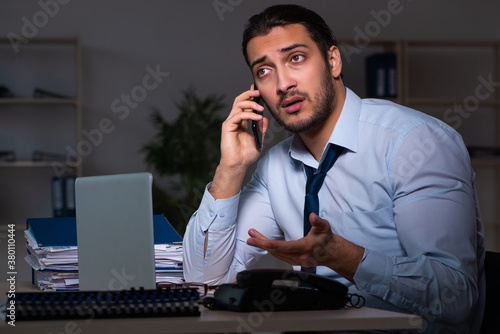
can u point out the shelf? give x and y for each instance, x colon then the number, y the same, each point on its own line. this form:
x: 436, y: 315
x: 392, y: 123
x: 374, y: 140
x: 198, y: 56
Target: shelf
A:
x: 37, y: 164
x: 15, y: 100
x: 51, y: 64
x: 444, y: 102
x: 448, y: 43
x: 432, y: 78
x: 485, y: 162
x: 45, y: 40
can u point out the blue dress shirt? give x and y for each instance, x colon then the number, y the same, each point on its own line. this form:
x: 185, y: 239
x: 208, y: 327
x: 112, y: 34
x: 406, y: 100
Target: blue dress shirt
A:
x: 403, y: 190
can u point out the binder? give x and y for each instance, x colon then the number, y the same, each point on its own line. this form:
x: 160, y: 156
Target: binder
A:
x: 53, y: 232
x: 69, y: 196
x: 63, y: 196
x: 61, y: 231
x: 58, y: 196
x: 7, y: 156
x: 87, y: 305
x: 391, y: 75
x: 381, y: 75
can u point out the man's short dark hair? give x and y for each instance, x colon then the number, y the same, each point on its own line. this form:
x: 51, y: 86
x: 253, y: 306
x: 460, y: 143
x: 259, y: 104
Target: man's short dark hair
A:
x: 281, y: 15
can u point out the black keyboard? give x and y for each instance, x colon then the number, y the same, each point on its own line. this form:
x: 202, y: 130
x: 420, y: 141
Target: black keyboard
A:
x: 162, y: 302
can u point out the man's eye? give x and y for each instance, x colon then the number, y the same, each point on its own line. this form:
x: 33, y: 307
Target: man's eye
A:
x: 262, y: 71
x: 297, y: 58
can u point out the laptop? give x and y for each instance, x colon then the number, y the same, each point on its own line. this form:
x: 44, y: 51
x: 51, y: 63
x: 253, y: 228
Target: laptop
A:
x: 114, y: 221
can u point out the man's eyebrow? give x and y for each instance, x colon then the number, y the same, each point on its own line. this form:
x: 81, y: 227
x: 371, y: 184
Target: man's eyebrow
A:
x: 257, y: 61
x: 293, y: 46
x: 283, y: 50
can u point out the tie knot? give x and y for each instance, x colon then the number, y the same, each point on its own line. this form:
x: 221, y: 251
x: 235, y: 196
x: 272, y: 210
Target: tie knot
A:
x: 331, y: 156
x: 314, y: 183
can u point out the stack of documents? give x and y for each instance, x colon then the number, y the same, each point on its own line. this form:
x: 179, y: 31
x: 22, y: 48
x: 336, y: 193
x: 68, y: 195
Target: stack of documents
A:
x: 168, y: 263
x: 53, y: 252
x: 55, y: 280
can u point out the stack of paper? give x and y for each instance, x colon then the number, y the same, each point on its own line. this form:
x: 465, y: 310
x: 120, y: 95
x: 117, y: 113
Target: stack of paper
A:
x: 168, y: 263
x: 56, y: 280
x: 50, y: 258
x: 53, y: 252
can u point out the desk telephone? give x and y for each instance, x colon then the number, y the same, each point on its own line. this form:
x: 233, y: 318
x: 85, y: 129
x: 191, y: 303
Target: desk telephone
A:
x: 272, y: 290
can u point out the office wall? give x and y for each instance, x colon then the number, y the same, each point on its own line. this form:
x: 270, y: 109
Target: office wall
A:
x: 198, y: 44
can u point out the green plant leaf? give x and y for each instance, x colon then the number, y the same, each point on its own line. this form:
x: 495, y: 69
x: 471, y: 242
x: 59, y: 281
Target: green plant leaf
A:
x: 189, y: 148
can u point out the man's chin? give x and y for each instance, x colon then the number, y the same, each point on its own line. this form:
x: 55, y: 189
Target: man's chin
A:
x: 299, y: 126
x: 294, y: 123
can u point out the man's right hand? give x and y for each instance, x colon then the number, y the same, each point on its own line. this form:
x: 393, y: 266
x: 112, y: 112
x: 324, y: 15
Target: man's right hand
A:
x: 238, y: 150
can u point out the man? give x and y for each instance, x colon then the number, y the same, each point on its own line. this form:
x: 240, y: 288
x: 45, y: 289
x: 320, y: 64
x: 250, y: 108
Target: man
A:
x: 398, y: 220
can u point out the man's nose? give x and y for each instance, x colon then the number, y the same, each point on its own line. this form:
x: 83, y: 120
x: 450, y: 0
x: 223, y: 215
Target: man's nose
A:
x: 285, y: 82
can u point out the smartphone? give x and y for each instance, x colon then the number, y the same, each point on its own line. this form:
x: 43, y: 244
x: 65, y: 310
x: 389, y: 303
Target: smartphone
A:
x: 257, y: 134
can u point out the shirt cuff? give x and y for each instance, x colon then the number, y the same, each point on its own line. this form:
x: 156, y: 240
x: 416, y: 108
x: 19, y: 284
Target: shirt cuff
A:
x: 374, y: 273
x: 217, y: 214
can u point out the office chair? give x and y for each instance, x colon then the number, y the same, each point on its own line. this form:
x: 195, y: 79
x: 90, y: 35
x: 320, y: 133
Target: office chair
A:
x: 491, y: 318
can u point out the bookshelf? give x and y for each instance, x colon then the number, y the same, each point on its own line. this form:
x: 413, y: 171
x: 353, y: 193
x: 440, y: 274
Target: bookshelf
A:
x: 50, y: 124
x: 457, y: 82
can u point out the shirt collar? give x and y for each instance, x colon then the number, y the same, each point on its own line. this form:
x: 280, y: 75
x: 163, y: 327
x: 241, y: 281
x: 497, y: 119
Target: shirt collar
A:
x: 344, y: 134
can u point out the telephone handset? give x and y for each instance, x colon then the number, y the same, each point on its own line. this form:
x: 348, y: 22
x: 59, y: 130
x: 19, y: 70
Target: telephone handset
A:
x: 279, y: 290
x: 257, y: 134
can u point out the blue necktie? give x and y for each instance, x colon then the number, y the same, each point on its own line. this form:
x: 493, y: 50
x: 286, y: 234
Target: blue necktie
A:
x: 314, y: 183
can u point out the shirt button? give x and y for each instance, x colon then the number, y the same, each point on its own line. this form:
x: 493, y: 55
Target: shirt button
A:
x: 322, y: 214
x: 222, y: 214
x: 368, y: 288
x: 211, y: 213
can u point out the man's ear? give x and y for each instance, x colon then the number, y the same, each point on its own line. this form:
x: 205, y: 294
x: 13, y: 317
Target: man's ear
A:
x: 335, y: 61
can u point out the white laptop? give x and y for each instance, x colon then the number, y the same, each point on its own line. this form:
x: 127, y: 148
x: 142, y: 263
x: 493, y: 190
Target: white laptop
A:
x: 114, y: 221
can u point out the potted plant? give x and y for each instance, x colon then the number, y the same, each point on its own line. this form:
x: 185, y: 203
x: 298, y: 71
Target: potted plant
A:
x: 187, y: 151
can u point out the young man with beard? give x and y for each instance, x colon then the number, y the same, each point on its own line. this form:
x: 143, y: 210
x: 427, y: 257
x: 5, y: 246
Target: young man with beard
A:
x: 403, y: 232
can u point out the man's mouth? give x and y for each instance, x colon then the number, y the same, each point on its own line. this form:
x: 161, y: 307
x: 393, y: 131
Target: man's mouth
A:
x: 292, y: 104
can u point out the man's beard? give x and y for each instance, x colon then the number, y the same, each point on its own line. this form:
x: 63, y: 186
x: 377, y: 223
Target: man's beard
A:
x: 326, y: 100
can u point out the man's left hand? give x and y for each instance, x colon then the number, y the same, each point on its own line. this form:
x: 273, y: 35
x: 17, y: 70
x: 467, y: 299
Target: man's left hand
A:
x: 319, y: 247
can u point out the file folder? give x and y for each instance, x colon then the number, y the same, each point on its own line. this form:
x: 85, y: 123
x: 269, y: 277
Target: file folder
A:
x: 61, y: 231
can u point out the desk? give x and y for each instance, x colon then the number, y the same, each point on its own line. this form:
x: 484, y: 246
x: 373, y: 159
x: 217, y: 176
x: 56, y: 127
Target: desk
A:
x: 221, y: 321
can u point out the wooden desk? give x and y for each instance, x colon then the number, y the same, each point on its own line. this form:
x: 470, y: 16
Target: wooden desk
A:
x: 221, y: 321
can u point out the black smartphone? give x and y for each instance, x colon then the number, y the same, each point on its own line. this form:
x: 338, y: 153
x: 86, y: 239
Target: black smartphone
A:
x: 257, y: 134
